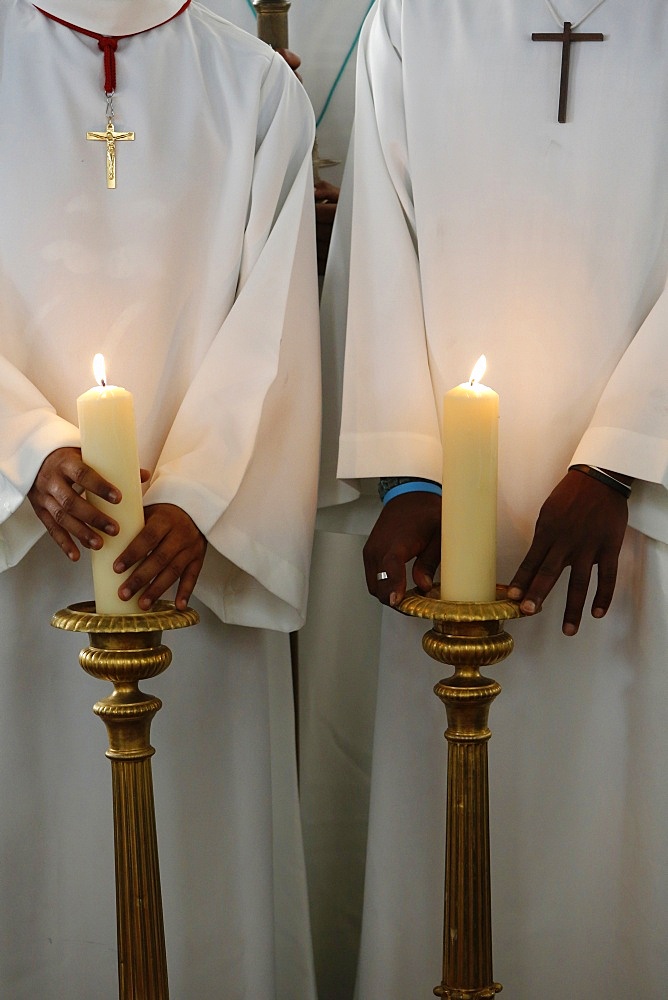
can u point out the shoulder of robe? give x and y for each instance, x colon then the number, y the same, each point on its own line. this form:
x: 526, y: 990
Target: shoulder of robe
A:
x: 212, y: 25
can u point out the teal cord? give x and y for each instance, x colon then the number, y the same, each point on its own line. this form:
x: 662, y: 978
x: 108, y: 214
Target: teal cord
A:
x: 337, y: 79
x: 344, y: 64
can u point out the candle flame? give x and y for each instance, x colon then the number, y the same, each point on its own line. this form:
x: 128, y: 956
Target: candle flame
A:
x: 478, y: 369
x: 99, y: 369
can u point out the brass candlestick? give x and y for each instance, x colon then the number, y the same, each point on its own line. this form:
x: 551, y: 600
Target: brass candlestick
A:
x: 468, y: 637
x: 126, y: 649
x: 272, y: 22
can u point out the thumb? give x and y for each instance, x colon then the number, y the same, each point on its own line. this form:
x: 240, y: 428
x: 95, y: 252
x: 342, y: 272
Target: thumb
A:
x: 426, y: 564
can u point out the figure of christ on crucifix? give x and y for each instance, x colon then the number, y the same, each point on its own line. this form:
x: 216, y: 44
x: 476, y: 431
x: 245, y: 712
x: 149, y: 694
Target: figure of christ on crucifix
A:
x: 111, y: 137
x: 565, y: 37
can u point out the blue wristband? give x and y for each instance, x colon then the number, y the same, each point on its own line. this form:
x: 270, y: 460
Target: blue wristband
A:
x: 416, y: 486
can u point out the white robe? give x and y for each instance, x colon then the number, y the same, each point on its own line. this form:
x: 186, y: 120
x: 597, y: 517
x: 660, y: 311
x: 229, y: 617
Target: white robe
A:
x: 322, y: 33
x: 480, y: 224
x: 195, y: 277
x: 337, y: 688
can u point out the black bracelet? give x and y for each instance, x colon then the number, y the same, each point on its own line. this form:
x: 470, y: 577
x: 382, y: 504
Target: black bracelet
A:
x: 603, y: 477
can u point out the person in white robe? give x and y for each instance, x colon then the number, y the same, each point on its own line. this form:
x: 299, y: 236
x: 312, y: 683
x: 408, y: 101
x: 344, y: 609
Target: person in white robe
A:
x: 481, y: 224
x: 195, y: 277
x: 336, y: 688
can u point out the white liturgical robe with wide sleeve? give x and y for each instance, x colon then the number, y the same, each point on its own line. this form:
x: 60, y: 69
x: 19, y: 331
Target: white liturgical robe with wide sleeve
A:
x: 195, y: 277
x: 482, y: 225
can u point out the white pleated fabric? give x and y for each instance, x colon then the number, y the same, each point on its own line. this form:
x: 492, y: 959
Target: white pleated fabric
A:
x: 196, y: 278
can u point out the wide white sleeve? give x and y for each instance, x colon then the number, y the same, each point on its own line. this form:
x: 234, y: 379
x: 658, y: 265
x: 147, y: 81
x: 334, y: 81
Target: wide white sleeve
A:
x: 30, y: 429
x: 389, y: 423
x: 629, y: 430
x: 242, y: 454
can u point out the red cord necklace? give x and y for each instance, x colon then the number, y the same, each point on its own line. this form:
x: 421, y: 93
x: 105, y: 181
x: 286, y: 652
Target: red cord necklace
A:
x: 108, y: 45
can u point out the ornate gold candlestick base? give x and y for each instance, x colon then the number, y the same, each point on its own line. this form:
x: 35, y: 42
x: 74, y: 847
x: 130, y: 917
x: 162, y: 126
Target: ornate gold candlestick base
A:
x: 467, y: 636
x: 126, y: 649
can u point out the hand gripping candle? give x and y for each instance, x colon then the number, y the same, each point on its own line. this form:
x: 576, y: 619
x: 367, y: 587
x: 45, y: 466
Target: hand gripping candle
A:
x: 109, y: 445
x: 470, y: 472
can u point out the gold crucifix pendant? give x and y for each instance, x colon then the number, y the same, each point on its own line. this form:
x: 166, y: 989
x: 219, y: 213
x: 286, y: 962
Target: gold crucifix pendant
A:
x: 111, y: 137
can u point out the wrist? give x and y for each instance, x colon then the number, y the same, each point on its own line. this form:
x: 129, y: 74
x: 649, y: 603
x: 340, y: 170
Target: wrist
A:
x: 613, y: 480
x: 391, y: 487
x: 620, y: 476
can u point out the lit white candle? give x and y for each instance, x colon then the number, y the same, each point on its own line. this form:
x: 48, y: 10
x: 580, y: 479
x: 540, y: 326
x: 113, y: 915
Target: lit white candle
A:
x: 109, y: 445
x: 470, y: 472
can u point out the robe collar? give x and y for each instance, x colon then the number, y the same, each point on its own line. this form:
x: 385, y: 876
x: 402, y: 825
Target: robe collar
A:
x: 113, y: 17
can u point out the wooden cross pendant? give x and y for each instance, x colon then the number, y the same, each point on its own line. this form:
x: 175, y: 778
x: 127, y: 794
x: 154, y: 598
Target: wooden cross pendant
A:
x: 566, y: 37
x: 111, y: 137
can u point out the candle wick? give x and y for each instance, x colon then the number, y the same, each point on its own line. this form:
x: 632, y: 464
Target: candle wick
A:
x: 104, y: 384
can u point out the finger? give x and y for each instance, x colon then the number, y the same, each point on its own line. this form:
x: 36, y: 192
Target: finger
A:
x: 182, y: 567
x: 527, y: 570
x: 384, y: 571
x: 391, y: 590
x: 88, y: 479
x: 187, y: 583
x: 147, y: 541
x: 578, y: 586
x: 541, y: 584
x: 426, y: 564
x: 71, y: 516
x: 158, y: 586
x: 61, y: 492
x: 326, y: 192
x: 372, y: 565
x: 154, y: 575
x: 607, y: 579
x: 62, y: 539
x: 292, y: 59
